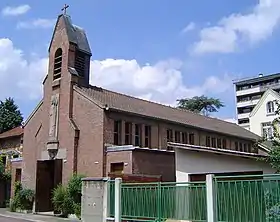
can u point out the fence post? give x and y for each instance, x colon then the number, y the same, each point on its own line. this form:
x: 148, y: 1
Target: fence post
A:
x: 210, y: 196
x: 118, y: 210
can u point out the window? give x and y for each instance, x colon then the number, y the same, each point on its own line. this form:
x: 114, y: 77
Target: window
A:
x: 240, y: 147
x: 224, y: 143
x: 184, y: 137
x: 191, y: 138
x: 147, y: 136
x: 236, y: 146
x: 249, y: 148
x: 270, y: 107
x: 57, y: 64
x: 208, y: 139
x: 18, y: 175
x: 169, y: 135
x: 128, y: 133
x: 80, y: 61
x: 137, y: 135
x: 219, y: 143
x: 177, y: 137
x: 3, y: 159
x: 117, y: 132
x: 267, y: 130
x: 117, y: 168
x: 213, y: 142
x: 245, y: 147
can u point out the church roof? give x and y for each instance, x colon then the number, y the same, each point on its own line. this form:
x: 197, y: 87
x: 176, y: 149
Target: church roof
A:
x: 75, y: 34
x: 124, y: 103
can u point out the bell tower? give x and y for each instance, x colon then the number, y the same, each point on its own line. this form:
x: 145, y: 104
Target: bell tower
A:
x: 69, y: 64
x: 69, y: 52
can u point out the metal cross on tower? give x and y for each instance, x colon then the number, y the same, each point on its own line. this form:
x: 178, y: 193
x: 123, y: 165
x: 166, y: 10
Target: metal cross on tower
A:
x: 65, y: 7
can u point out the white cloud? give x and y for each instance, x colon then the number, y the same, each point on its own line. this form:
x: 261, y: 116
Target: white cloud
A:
x: 235, y: 29
x: 18, y: 77
x: 189, y: 27
x: 161, y: 82
x: 37, y: 23
x: 15, y: 11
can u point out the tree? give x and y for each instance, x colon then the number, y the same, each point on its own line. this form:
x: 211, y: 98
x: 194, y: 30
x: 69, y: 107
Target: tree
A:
x: 10, y: 115
x: 200, y: 104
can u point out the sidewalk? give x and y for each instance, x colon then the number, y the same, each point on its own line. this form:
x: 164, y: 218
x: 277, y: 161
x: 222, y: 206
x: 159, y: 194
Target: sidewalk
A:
x: 33, y: 217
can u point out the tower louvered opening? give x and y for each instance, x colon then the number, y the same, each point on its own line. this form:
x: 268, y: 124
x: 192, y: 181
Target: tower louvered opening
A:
x: 57, y: 64
x: 80, y: 61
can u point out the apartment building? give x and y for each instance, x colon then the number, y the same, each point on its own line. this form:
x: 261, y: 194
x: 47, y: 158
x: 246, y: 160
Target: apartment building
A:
x: 249, y: 91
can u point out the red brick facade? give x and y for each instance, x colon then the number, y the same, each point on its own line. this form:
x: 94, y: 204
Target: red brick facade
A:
x: 85, y: 128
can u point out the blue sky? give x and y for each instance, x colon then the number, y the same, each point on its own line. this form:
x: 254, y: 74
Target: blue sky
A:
x: 159, y: 50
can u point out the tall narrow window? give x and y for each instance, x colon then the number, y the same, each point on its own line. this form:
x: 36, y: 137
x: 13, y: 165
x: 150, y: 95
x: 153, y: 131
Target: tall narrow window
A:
x: 117, y: 132
x: 128, y: 133
x: 184, y: 137
x: 270, y: 107
x: 147, y: 136
x: 267, y: 130
x: 240, y: 147
x: 236, y: 146
x: 208, y: 141
x: 191, y: 138
x: 219, y: 143
x: 137, y: 135
x: 213, y: 142
x: 224, y: 143
x: 57, y: 64
x: 249, y: 148
x: 169, y: 135
x: 245, y: 147
x: 177, y: 137
x: 80, y: 61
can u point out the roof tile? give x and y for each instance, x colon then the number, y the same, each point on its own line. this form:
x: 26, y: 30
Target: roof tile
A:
x: 125, y: 103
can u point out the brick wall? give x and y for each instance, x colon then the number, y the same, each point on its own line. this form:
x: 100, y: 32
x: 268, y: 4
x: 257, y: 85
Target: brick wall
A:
x: 154, y: 163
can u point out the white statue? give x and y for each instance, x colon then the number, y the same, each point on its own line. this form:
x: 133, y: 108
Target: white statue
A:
x: 54, y: 116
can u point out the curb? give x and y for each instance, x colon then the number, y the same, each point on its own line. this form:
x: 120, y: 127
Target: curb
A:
x: 15, y: 217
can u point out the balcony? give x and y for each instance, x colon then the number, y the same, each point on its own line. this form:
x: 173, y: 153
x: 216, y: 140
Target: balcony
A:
x: 248, y: 103
x: 243, y: 115
x: 270, y: 86
x: 252, y: 90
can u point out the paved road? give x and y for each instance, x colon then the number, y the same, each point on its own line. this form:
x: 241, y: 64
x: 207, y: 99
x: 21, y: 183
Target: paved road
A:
x: 6, y: 219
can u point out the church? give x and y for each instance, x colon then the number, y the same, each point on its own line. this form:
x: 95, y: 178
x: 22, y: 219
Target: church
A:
x: 84, y: 129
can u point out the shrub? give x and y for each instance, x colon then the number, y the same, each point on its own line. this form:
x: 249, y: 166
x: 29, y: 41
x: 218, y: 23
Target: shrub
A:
x: 26, y: 198
x: 60, y: 200
x: 23, y: 198
x: 67, y: 200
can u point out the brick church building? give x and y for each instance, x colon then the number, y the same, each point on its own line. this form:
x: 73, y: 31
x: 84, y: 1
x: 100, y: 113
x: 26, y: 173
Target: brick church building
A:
x: 90, y: 130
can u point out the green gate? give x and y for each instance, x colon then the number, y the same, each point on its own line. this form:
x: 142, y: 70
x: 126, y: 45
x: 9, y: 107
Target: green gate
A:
x: 161, y: 201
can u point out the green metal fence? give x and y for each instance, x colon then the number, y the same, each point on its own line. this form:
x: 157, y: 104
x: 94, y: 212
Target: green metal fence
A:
x: 248, y: 198
x: 161, y: 201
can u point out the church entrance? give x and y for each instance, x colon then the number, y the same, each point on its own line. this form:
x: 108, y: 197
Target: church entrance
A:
x: 48, y: 176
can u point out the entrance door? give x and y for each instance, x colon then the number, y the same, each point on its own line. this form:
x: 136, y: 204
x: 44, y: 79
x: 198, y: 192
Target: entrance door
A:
x: 48, y: 176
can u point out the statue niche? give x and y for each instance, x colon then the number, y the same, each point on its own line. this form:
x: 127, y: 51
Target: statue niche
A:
x: 52, y: 144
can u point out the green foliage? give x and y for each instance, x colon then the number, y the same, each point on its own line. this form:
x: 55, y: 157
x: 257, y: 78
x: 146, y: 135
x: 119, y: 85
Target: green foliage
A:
x: 23, y: 198
x: 10, y: 115
x: 4, y: 175
x: 67, y: 200
x: 200, y: 104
